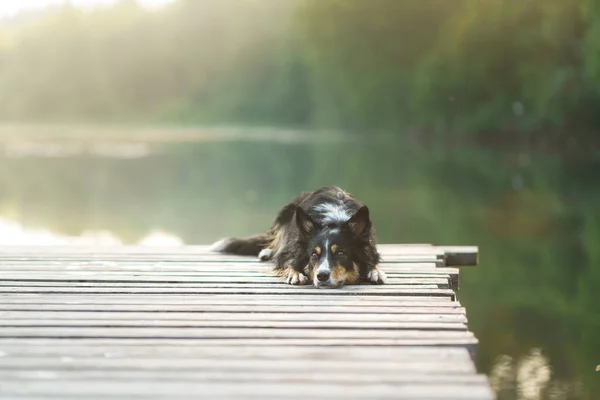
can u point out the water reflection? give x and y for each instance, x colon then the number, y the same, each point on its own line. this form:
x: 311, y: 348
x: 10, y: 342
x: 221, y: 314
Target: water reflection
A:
x: 532, y: 302
x: 530, y: 378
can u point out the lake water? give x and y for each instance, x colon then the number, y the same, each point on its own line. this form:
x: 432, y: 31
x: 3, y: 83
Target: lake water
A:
x: 533, y: 301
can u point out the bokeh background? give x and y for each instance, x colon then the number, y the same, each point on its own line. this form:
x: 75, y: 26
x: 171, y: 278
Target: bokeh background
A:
x: 459, y: 122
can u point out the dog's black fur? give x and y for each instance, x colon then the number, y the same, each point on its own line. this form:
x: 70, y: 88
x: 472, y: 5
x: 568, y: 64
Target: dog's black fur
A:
x: 325, y: 237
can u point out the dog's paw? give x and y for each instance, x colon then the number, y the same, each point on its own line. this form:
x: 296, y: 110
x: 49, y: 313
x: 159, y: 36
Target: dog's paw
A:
x: 377, y: 276
x: 296, y: 278
x: 265, y: 254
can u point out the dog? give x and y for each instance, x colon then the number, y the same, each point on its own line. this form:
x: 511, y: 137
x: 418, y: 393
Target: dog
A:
x: 325, y: 237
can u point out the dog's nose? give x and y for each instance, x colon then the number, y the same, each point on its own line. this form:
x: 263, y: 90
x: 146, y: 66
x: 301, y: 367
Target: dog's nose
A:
x: 323, y: 276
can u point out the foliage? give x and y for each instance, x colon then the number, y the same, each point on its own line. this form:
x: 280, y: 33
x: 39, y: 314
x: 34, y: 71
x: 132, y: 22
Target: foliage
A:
x: 193, y: 61
x: 496, y: 71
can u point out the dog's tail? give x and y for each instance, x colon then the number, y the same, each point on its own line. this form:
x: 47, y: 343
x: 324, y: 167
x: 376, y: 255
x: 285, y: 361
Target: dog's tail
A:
x: 248, y: 246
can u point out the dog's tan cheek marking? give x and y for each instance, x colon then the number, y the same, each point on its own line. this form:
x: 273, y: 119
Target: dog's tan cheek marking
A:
x: 340, y: 275
x: 354, y: 276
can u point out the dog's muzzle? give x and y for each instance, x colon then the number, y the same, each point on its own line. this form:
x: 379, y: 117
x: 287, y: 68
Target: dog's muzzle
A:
x: 323, y: 276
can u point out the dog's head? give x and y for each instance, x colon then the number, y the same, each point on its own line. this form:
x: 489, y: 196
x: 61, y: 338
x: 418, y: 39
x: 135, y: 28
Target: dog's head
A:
x: 335, y: 251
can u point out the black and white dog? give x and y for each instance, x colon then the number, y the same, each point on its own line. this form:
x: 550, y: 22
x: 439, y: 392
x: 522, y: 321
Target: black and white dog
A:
x: 325, y: 237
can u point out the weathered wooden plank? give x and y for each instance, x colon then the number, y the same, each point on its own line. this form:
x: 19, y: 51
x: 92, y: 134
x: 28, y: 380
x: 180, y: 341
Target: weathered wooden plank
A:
x: 393, y: 270
x: 108, y: 260
x: 321, y: 365
x: 307, y: 377
x: 133, y: 249
x: 199, y: 268
x: 197, y: 283
x: 460, y: 256
x: 235, y: 309
x: 165, y: 286
x: 21, y: 278
x: 192, y: 273
x: 337, y: 297
x: 190, y: 268
x: 461, y: 342
x: 282, y: 290
x: 58, y: 316
x: 198, y: 249
x: 285, y: 390
x: 365, y: 317
x: 413, y: 271
x: 208, y: 333
x: 189, y: 249
x: 452, y: 255
x: 267, y: 323
x: 11, y: 348
x: 159, y: 266
x: 9, y: 255
x: 211, y: 257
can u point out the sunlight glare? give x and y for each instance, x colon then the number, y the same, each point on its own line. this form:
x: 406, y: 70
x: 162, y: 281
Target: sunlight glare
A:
x: 12, y: 7
x: 13, y: 233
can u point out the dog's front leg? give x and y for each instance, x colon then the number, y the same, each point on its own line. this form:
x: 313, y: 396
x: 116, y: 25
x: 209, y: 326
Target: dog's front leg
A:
x: 294, y: 274
x: 376, y: 276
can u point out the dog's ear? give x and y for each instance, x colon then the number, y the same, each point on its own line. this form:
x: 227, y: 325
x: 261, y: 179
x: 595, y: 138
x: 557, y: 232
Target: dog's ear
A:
x: 305, y: 222
x: 360, y: 223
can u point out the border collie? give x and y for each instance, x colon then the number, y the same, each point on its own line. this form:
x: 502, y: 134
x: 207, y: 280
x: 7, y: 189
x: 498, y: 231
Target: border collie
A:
x: 325, y: 237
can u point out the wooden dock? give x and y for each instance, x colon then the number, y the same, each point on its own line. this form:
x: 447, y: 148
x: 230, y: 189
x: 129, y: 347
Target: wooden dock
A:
x: 183, y: 323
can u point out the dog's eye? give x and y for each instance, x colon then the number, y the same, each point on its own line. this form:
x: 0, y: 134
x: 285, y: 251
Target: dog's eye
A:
x: 314, y: 254
x: 341, y: 253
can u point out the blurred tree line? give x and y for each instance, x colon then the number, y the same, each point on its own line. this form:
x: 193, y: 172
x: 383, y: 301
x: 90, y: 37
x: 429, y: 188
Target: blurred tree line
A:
x: 493, y: 71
